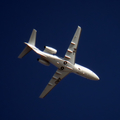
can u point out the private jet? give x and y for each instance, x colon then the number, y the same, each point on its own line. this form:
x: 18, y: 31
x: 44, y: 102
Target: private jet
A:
x: 65, y: 65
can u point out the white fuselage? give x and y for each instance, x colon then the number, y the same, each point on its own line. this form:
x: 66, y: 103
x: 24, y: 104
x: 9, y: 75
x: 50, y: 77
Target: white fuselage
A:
x: 66, y: 65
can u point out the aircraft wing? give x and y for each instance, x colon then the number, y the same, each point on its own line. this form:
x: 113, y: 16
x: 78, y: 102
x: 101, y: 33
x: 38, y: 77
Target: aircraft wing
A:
x: 71, y: 51
x: 57, y: 77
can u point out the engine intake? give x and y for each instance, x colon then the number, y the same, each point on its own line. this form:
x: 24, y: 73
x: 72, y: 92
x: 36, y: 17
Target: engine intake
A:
x: 42, y: 61
x: 50, y: 50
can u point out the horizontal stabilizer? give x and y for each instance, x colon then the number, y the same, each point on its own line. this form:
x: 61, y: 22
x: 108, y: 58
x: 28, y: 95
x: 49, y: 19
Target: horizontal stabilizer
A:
x: 31, y: 41
x: 24, y: 52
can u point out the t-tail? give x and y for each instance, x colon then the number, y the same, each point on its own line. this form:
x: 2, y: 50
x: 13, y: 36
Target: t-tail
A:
x: 31, y: 41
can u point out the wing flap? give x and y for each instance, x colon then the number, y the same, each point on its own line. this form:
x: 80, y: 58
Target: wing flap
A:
x: 57, y: 77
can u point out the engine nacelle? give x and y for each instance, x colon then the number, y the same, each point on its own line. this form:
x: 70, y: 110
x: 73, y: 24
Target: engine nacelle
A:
x: 50, y: 50
x: 44, y: 62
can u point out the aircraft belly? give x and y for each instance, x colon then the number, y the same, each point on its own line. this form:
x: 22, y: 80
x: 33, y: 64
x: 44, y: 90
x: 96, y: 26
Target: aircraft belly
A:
x: 61, y: 64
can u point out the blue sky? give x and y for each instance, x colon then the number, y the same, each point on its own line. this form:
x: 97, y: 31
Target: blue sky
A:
x: 23, y: 80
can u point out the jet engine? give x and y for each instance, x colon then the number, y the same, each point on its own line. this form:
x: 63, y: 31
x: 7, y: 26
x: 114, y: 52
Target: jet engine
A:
x: 50, y: 50
x: 43, y: 61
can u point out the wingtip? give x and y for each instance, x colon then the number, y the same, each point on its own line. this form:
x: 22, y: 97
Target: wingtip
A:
x: 35, y: 30
x: 79, y: 26
x: 41, y: 97
x: 19, y: 56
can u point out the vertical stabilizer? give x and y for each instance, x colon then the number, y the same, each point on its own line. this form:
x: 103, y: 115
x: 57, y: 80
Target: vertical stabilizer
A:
x: 31, y: 41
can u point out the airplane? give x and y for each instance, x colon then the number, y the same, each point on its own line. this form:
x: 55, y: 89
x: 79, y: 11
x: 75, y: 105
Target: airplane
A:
x: 65, y: 65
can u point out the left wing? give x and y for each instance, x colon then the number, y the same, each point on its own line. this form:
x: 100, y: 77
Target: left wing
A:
x: 71, y: 51
x: 57, y: 77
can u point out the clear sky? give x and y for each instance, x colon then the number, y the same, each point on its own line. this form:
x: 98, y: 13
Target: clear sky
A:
x: 74, y: 98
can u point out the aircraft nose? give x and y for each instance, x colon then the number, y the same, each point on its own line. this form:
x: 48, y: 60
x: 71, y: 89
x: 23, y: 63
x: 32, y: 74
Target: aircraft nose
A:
x: 95, y: 77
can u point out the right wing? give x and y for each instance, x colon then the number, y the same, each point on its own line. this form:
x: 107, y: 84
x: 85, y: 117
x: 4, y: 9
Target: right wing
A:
x: 71, y: 51
x: 57, y: 77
